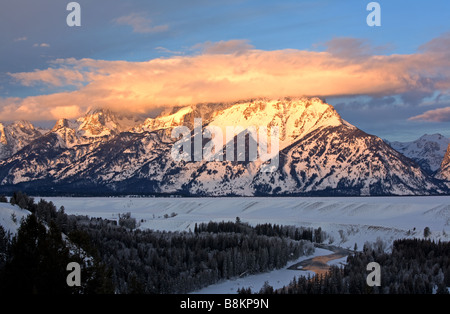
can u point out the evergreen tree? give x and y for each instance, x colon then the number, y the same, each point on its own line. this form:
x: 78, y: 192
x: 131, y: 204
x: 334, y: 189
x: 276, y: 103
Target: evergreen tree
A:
x: 426, y: 232
x: 442, y: 289
x: 54, y: 259
x: 266, y: 288
x: 34, y: 256
x: 23, y: 201
x: 4, y: 241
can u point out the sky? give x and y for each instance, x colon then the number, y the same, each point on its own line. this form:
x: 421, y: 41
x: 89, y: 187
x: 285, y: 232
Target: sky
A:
x: 141, y: 56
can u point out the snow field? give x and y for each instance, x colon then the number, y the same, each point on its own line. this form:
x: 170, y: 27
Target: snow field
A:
x: 346, y: 220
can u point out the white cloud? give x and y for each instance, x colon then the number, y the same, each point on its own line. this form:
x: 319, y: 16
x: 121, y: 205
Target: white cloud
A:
x: 140, y: 23
x: 435, y: 115
x: 20, y: 38
x: 45, y: 45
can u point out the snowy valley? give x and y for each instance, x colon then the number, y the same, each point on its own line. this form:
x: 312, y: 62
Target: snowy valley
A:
x: 346, y: 222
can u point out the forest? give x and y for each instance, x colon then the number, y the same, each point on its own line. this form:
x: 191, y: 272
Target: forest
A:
x: 147, y: 261
x: 121, y: 259
x: 414, y: 266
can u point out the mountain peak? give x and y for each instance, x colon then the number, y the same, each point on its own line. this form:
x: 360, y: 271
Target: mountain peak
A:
x: 294, y: 117
x: 97, y: 110
x: 435, y: 137
x: 428, y: 150
x: 61, y: 123
x: 97, y: 115
x: 100, y: 122
x: 15, y: 136
x: 444, y: 172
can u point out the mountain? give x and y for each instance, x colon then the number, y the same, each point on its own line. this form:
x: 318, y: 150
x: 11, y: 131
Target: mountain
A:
x: 96, y: 125
x: 319, y: 154
x: 428, y: 151
x: 444, y: 172
x: 181, y: 116
x: 15, y: 136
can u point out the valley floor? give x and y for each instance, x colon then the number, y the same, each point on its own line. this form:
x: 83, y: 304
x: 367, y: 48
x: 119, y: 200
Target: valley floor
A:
x: 346, y: 220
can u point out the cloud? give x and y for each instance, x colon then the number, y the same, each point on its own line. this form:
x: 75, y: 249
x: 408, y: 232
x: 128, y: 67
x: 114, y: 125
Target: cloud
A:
x: 435, y: 115
x: 439, y: 44
x: 225, y: 71
x: 168, y: 51
x: 235, y: 46
x: 351, y: 48
x: 41, y: 45
x: 51, y: 77
x: 20, y: 38
x: 140, y: 23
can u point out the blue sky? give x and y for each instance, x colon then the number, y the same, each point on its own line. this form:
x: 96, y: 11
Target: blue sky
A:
x: 34, y: 34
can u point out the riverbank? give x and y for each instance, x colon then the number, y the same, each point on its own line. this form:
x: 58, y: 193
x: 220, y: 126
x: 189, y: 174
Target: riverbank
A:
x: 321, y: 264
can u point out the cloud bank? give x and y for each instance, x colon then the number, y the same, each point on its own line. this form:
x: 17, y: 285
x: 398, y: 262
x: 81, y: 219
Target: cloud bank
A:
x: 228, y: 71
x: 435, y: 115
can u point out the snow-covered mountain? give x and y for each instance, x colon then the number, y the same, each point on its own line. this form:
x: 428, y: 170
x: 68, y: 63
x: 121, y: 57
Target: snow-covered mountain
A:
x: 178, y: 116
x: 428, y: 151
x: 319, y: 154
x: 444, y: 171
x: 97, y: 125
x: 15, y: 136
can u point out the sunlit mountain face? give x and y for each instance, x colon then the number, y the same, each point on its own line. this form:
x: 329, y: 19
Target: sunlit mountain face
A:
x: 318, y: 153
x: 444, y: 172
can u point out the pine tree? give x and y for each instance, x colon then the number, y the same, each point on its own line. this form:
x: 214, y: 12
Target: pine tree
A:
x: 4, y: 240
x: 442, y: 289
x: 426, y: 232
x: 54, y: 259
x: 22, y: 270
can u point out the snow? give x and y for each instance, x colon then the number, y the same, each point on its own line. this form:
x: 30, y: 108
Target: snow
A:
x: 347, y: 220
x: 294, y: 118
x: 164, y: 122
x: 7, y: 212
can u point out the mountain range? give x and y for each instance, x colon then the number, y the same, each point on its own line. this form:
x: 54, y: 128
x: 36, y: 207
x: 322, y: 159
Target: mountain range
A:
x: 107, y: 153
x: 428, y: 151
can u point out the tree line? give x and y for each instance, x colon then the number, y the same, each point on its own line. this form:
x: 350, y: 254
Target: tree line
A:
x: 268, y: 229
x: 147, y: 261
